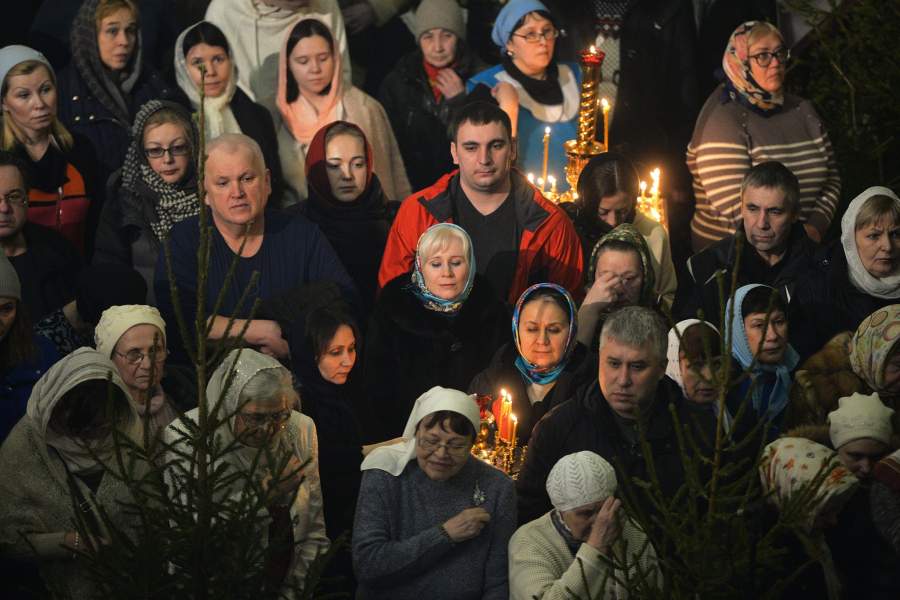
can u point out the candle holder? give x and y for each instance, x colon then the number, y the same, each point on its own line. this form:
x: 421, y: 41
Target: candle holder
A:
x: 492, y: 446
x: 585, y: 147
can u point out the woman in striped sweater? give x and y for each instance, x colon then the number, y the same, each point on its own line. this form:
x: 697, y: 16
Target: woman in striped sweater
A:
x: 749, y: 119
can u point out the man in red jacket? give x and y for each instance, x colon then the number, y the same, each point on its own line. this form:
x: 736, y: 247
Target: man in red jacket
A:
x: 520, y: 237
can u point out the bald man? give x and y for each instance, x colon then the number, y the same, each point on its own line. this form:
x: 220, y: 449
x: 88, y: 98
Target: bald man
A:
x: 286, y: 250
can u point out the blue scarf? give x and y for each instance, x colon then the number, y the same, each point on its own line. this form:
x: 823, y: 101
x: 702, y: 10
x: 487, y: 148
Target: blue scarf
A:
x: 528, y: 370
x: 420, y: 290
x: 765, y: 403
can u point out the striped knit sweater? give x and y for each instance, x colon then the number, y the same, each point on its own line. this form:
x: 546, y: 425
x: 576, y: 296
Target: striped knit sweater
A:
x: 729, y: 139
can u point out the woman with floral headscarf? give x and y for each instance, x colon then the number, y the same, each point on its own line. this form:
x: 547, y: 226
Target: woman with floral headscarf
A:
x: 251, y: 397
x: 539, y: 368
x: 60, y: 456
x: 749, y: 119
x: 799, y: 473
x: 438, y: 325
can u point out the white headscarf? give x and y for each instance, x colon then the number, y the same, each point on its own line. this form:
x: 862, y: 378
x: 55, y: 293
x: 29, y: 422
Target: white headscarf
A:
x: 579, y: 479
x: 85, y: 364
x: 116, y: 320
x: 880, y: 287
x: 673, y: 368
x: 395, y: 457
x: 218, y: 116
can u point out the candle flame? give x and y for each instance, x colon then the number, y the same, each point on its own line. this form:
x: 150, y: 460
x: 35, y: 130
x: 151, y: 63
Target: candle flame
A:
x: 546, y: 131
x: 605, y: 104
x: 643, y: 186
x: 654, y: 175
x: 503, y: 392
x: 530, y: 180
x: 593, y: 50
x: 514, y: 418
x: 551, y: 180
x: 540, y: 181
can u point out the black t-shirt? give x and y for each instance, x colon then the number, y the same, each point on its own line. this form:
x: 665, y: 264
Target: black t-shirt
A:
x: 496, y: 240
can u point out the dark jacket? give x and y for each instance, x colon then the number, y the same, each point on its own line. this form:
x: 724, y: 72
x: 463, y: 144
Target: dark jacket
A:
x: 722, y: 256
x: 586, y: 422
x: 17, y: 381
x: 503, y: 374
x: 410, y: 349
x: 83, y: 114
x: 256, y: 122
x: 825, y: 303
x: 47, y: 270
x: 418, y: 120
x: 657, y: 101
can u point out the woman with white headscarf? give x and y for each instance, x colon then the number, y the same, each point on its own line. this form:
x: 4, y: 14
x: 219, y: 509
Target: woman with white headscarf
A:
x: 854, y: 277
x: 566, y: 551
x: 251, y: 396
x: 432, y: 521
x: 58, y: 457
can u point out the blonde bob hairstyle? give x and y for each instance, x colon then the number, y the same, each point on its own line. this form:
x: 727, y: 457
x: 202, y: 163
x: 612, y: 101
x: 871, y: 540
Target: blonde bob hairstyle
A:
x: 875, y: 209
x: 9, y: 137
x: 762, y: 29
x: 108, y: 7
x: 437, y: 239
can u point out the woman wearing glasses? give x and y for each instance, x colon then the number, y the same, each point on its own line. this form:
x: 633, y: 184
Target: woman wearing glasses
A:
x: 432, y: 521
x: 156, y: 188
x: 548, y: 93
x: 134, y: 338
x: 750, y: 119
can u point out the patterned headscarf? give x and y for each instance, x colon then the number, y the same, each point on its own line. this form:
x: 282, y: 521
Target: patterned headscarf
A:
x: 110, y: 89
x: 174, y: 202
x: 418, y: 287
x: 530, y: 371
x: 736, y: 63
x: 628, y: 233
x: 740, y: 349
x: 873, y: 342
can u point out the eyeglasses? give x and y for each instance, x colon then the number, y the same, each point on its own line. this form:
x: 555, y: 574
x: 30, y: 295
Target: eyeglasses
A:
x: 135, y: 356
x: 431, y: 445
x: 175, y: 150
x: 764, y: 59
x: 262, y: 420
x: 16, y: 198
x: 533, y: 37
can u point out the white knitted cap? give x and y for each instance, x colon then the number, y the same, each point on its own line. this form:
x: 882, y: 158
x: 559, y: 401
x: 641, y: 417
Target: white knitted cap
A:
x: 858, y: 417
x: 580, y: 478
x: 116, y: 320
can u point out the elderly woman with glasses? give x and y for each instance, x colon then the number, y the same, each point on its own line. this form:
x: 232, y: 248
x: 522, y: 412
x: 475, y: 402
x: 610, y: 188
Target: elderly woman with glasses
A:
x: 537, y: 92
x: 432, y: 521
x: 270, y: 456
x: 750, y: 119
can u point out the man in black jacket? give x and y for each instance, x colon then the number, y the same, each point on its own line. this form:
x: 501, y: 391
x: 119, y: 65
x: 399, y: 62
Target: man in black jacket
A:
x: 775, y: 248
x: 631, y: 398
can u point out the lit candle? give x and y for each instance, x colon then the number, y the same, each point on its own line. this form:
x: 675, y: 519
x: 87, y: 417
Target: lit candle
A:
x: 552, y: 181
x: 643, y: 190
x: 530, y: 178
x: 654, y: 187
x: 540, y: 184
x: 546, y: 155
x: 515, y: 426
x: 604, y: 103
x: 502, y: 414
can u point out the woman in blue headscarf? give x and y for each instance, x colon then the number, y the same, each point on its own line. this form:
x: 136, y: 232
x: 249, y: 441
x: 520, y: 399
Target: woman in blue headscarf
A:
x: 437, y: 325
x: 759, y: 344
x: 539, y: 368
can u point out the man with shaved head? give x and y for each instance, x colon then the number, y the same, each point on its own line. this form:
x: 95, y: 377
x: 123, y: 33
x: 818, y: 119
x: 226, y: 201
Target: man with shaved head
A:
x: 285, y: 251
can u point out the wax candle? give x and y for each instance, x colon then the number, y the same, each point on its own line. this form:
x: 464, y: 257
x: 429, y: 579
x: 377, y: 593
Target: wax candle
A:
x: 515, y: 426
x: 530, y: 177
x: 502, y: 408
x: 604, y: 103
x: 546, y: 155
x: 552, y: 181
x: 540, y: 184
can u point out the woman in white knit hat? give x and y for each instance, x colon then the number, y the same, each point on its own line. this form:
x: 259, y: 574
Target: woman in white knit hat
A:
x: 571, y: 546
x: 133, y: 336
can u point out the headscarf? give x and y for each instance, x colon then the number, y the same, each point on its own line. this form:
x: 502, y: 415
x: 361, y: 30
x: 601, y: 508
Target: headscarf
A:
x: 240, y: 366
x: 880, y: 287
x: 217, y: 111
x: 789, y: 465
x: 580, y: 478
x: 317, y: 166
x: 395, y: 457
x: 530, y: 371
x: 740, y: 349
x: 736, y: 64
x: 174, y: 202
x: 110, y: 89
x: 873, y: 342
x: 509, y: 16
x: 116, y: 320
x: 299, y: 116
x: 84, y: 364
x: 420, y: 290
x: 860, y: 416
x: 673, y: 368
x: 628, y: 233
x: 13, y: 55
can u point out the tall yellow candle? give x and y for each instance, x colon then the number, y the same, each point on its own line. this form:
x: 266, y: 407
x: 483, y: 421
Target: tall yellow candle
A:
x: 604, y: 103
x: 546, y: 156
x: 515, y: 427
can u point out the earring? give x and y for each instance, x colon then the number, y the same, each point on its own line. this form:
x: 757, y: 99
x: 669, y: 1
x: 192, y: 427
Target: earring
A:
x: 509, y: 53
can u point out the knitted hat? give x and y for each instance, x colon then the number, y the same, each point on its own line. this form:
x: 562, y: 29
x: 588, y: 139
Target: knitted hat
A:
x: 10, y: 287
x: 116, y: 320
x: 580, y: 478
x: 10, y: 56
x: 445, y: 14
x: 100, y: 286
x: 860, y: 417
x: 509, y: 16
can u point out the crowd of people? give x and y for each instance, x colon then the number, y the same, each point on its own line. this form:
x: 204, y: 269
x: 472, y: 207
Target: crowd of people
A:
x: 377, y: 261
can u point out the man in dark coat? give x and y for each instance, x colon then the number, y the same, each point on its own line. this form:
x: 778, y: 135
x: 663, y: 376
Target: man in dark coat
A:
x: 631, y: 398
x: 776, y: 249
